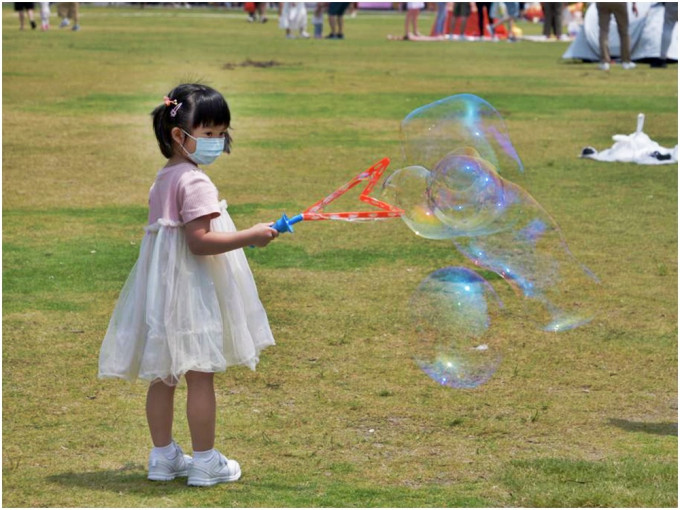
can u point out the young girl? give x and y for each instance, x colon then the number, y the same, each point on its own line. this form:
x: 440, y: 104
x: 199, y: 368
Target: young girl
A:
x: 190, y: 306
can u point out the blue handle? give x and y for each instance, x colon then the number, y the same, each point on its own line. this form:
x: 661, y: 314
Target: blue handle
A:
x: 285, y: 224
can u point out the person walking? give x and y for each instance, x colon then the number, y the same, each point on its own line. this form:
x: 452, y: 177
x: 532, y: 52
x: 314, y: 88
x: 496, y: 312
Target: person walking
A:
x: 24, y: 9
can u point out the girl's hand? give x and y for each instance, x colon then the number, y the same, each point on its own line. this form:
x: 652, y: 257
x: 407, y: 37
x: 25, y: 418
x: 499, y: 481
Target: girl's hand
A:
x: 262, y: 234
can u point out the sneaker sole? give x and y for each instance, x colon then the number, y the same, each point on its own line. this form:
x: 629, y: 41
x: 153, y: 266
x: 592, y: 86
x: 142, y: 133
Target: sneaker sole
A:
x: 208, y: 482
x: 166, y: 478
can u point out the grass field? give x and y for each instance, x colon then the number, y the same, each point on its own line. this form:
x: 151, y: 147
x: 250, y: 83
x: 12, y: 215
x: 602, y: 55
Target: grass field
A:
x: 337, y: 413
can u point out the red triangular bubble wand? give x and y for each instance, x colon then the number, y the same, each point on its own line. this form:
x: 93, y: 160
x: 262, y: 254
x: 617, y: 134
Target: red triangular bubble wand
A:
x: 316, y: 211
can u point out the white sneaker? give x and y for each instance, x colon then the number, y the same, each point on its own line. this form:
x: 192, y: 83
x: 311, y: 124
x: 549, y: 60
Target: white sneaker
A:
x: 161, y: 469
x: 603, y: 66
x: 218, y: 469
x: 628, y: 65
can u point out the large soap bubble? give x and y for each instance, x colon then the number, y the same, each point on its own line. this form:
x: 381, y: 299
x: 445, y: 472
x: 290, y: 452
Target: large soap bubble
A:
x: 409, y: 189
x: 453, y: 309
x: 430, y: 132
x: 456, y: 187
x: 532, y: 255
x: 462, y: 196
x: 467, y: 194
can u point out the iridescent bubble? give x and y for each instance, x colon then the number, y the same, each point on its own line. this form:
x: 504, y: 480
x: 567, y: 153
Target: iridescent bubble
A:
x: 407, y: 188
x: 453, y: 309
x: 457, y: 188
x: 466, y: 194
x: 462, y: 195
x: 530, y: 253
x: 432, y: 131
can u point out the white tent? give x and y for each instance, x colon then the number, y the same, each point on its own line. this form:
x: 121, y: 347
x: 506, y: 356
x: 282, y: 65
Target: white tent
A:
x: 645, y: 35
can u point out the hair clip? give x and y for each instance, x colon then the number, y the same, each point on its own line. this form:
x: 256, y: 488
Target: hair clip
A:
x: 168, y: 102
x: 173, y: 112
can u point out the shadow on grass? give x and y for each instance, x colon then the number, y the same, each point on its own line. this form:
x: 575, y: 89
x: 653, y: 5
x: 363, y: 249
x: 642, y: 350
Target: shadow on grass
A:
x: 129, y: 479
x: 659, y: 429
x: 269, y: 493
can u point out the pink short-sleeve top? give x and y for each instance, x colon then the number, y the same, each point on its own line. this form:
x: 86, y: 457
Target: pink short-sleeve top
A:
x: 182, y: 193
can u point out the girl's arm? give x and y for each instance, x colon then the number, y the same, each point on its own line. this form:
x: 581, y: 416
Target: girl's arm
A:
x: 202, y: 241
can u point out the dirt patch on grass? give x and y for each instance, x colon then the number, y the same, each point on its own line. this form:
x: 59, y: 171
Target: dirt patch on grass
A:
x: 258, y: 63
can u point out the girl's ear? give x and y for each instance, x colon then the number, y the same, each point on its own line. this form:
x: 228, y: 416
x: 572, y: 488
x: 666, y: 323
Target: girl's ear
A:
x: 177, y: 135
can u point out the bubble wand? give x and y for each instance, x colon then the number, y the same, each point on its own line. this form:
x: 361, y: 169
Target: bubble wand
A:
x: 316, y: 211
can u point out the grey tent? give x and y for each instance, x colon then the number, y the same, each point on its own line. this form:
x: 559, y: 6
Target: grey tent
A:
x: 645, y: 35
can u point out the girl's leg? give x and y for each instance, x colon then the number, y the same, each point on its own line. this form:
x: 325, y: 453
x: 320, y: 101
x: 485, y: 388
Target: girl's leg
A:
x: 159, y: 412
x: 201, y: 410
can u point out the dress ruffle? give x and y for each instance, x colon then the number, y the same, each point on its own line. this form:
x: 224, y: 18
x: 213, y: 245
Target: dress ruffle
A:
x: 179, y: 312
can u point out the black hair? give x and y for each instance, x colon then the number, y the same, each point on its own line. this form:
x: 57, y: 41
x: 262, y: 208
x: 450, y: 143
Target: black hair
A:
x: 196, y: 105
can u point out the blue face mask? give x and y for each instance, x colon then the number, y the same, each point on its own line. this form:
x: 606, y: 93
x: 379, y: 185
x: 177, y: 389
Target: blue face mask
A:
x: 207, y: 149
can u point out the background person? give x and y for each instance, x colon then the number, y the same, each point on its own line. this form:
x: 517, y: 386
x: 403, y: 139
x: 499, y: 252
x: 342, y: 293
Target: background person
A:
x: 68, y: 11
x: 293, y: 17
x: 412, y: 12
x: 24, y: 8
x: 552, y: 18
x: 605, y: 10
x: 336, y: 10
x: 670, y: 19
x: 481, y: 7
x: 462, y: 11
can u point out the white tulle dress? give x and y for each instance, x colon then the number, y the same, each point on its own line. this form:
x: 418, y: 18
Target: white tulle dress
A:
x: 179, y: 311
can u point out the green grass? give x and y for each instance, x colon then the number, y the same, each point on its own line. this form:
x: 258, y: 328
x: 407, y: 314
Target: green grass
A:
x: 337, y: 414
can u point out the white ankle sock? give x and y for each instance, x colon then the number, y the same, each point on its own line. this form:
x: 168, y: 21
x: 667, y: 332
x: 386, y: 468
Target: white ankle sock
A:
x: 169, y: 451
x: 204, y: 456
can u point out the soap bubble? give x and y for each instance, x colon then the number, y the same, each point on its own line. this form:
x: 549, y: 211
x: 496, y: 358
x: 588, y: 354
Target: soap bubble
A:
x: 533, y: 257
x: 462, y: 195
x: 453, y: 309
x: 408, y: 189
x: 432, y: 131
x: 457, y: 187
x: 467, y: 194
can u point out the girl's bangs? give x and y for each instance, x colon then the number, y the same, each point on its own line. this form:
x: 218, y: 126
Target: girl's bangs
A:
x: 211, y: 110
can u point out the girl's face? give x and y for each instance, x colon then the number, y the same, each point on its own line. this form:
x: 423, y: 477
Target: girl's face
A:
x: 189, y: 144
x: 202, y: 132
